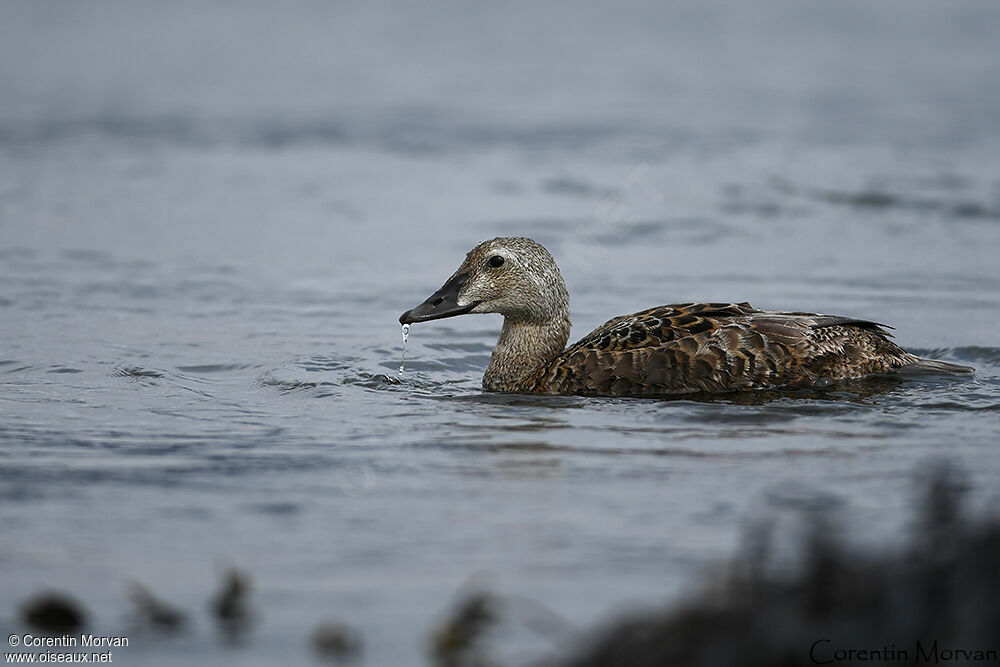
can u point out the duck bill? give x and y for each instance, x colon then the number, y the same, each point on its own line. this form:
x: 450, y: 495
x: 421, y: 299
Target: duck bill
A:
x: 443, y: 303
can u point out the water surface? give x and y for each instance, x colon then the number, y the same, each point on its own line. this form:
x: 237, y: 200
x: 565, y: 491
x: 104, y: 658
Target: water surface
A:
x: 210, y: 221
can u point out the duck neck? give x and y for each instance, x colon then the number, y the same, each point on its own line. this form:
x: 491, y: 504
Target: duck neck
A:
x: 523, y: 349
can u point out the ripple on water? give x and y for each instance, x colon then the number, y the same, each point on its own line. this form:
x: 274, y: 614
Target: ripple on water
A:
x: 214, y: 368
x: 290, y: 386
x: 19, y: 367
x: 321, y: 363
x: 971, y: 353
x: 466, y: 365
x: 373, y: 380
x: 343, y: 372
x: 137, y: 373
x: 880, y: 198
x: 407, y: 382
x: 575, y: 187
x: 479, y: 347
x: 281, y: 509
x: 63, y: 370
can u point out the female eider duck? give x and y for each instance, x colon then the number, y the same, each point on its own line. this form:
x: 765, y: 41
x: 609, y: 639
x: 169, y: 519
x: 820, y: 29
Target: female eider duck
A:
x: 668, y: 350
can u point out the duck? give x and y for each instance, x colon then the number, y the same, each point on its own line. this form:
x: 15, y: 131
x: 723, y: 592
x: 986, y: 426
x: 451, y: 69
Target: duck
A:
x: 672, y: 350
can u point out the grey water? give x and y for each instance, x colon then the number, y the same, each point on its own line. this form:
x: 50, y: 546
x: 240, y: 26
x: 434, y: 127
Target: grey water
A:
x: 211, y: 217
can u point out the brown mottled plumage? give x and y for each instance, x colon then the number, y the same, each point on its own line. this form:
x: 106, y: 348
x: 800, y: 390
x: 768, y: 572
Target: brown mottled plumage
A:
x: 668, y: 350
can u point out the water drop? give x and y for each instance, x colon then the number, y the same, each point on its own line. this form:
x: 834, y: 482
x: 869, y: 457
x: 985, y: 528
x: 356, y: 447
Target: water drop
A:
x: 402, y: 359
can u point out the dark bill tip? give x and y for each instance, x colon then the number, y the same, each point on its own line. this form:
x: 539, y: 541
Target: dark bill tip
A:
x: 420, y: 314
x: 443, y: 303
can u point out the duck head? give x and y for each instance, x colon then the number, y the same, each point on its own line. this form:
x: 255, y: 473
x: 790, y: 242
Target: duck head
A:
x: 513, y: 276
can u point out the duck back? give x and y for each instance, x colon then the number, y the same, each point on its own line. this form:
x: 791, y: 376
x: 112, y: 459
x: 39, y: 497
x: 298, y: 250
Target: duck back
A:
x: 719, y: 347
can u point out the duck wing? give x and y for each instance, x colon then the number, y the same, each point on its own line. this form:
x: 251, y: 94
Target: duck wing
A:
x: 712, y: 347
x: 660, y: 325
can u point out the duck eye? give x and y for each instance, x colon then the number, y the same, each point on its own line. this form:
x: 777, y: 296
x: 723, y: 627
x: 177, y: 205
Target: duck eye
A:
x: 496, y: 261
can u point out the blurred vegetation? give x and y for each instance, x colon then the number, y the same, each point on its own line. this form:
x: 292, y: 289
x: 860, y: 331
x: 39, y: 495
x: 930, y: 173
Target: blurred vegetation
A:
x: 941, y: 589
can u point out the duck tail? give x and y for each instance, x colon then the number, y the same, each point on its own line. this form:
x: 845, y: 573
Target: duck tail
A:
x: 922, y: 366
